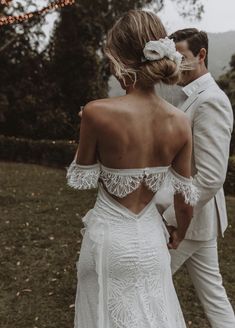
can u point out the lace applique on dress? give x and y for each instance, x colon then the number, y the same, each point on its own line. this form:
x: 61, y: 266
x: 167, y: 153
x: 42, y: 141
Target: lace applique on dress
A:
x: 183, y: 185
x: 122, y: 182
x: 119, y: 185
x: 154, y: 181
x: 83, y: 176
x: 135, y: 285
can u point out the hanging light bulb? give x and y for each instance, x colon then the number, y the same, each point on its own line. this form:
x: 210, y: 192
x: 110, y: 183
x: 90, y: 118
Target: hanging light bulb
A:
x: 5, y: 20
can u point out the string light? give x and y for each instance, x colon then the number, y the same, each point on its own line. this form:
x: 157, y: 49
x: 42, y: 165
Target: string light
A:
x: 5, y: 20
x: 5, y: 2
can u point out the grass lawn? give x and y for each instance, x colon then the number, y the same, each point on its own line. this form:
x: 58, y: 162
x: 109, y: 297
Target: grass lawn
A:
x: 39, y: 245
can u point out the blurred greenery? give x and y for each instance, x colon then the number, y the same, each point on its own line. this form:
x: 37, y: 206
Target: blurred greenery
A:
x: 41, y: 92
x: 55, y: 153
x: 229, y: 185
x: 227, y: 83
x: 40, y: 242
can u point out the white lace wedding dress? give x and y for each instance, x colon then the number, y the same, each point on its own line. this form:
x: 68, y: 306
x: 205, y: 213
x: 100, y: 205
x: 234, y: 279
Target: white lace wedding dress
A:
x: 124, y: 275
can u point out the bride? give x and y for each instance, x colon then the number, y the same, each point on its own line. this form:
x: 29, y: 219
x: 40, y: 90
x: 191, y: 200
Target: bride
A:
x: 130, y: 147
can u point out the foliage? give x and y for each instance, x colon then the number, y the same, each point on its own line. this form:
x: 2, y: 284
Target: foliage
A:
x: 25, y: 90
x: 41, y: 93
x: 78, y: 66
x: 188, y: 8
x: 232, y: 62
x: 48, y: 152
x: 229, y: 185
x: 227, y: 83
x: 18, y: 35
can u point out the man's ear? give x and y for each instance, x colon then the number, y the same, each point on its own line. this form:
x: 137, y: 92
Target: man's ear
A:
x: 202, y: 55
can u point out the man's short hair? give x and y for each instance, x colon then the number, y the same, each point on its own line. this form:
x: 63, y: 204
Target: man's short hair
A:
x: 196, y: 40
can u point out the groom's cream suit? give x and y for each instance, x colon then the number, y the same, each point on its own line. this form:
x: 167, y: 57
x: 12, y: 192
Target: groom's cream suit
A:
x: 211, y: 116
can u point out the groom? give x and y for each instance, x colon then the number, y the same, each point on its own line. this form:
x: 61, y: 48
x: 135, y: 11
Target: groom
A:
x: 210, y: 113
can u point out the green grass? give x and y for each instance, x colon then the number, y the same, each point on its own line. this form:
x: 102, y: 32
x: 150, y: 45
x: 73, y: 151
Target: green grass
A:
x: 39, y: 245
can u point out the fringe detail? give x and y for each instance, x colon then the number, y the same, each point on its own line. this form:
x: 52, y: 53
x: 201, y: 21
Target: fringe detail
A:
x: 184, y: 186
x: 81, y: 177
x: 154, y: 181
x: 121, y: 185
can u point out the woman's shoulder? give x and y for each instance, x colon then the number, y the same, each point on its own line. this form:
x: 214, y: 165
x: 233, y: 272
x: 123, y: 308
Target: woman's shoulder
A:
x: 103, y: 103
x: 99, y: 107
x: 179, y: 121
x: 179, y: 115
x: 174, y: 113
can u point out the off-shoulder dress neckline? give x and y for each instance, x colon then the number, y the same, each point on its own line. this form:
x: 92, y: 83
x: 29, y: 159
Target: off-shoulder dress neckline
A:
x: 136, y: 170
x: 113, y: 169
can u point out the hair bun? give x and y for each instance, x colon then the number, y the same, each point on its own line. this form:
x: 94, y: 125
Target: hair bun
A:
x: 125, y: 44
x: 165, y: 70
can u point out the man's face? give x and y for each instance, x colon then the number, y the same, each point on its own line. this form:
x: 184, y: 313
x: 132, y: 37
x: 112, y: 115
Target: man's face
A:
x: 187, y: 76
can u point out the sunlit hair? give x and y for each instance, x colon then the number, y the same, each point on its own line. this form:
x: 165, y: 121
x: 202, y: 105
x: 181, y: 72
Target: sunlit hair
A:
x: 124, y: 48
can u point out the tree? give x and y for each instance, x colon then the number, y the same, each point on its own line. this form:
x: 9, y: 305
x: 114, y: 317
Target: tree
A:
x: 40, y: 93
x: 27, y: 105
x: 232, y: 62
x: 227, y: 83
x: 186, y: 8
x: 78, y: 64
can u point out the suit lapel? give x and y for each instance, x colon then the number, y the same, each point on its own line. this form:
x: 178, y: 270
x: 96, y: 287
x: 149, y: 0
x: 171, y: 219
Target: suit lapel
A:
x: 188, y: 102
x: 193, y: 97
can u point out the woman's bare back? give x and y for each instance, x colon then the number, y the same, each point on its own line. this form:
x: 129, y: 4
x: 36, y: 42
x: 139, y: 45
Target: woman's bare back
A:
x: 136, y: 131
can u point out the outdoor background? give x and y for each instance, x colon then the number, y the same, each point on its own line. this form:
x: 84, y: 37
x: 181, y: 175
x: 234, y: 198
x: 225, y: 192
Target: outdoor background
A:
x: 49, y: 67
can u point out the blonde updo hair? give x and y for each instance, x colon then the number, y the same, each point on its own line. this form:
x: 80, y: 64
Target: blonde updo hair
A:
x: 124, y: 48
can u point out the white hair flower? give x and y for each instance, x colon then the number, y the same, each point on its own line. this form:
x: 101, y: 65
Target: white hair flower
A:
x: 158, y: 49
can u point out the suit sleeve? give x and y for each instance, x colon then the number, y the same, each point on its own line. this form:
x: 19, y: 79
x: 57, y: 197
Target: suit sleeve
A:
x: 212, y: 128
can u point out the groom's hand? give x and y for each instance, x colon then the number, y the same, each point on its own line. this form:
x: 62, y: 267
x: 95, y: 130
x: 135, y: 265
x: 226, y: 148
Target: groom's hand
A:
x: 171, y: 229
x: 175, y: 238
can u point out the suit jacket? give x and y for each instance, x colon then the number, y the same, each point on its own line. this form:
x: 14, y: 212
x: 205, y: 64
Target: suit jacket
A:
x: 211, y: 115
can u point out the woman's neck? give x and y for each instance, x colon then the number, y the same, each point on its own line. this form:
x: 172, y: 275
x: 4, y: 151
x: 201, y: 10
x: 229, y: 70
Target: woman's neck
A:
x: 140, y: 90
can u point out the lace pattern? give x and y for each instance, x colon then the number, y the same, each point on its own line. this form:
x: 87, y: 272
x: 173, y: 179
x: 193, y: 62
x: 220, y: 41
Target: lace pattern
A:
x: 136, y: 295
x: 155, y: 181
x: 124, y: 274
x: 83, y: 176
x: 180, y: 184
x: 120, y: 186
x: 122, y: 182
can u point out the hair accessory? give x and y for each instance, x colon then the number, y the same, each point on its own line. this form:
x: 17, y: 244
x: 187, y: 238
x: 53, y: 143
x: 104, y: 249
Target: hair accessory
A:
x: 158, y: 49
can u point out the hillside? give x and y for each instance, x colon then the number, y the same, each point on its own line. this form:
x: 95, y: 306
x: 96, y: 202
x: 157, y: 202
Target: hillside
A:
x: 221, y: 48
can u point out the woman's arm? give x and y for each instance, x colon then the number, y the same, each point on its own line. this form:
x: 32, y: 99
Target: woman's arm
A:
x: 182, y: 165
x: 86, y: 153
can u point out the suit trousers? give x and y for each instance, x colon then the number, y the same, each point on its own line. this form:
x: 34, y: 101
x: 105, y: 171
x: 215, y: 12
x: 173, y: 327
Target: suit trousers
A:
x: 201, y: 260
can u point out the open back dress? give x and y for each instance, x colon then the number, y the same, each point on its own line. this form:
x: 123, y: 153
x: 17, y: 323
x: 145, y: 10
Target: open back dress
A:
x: 124, y: 273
